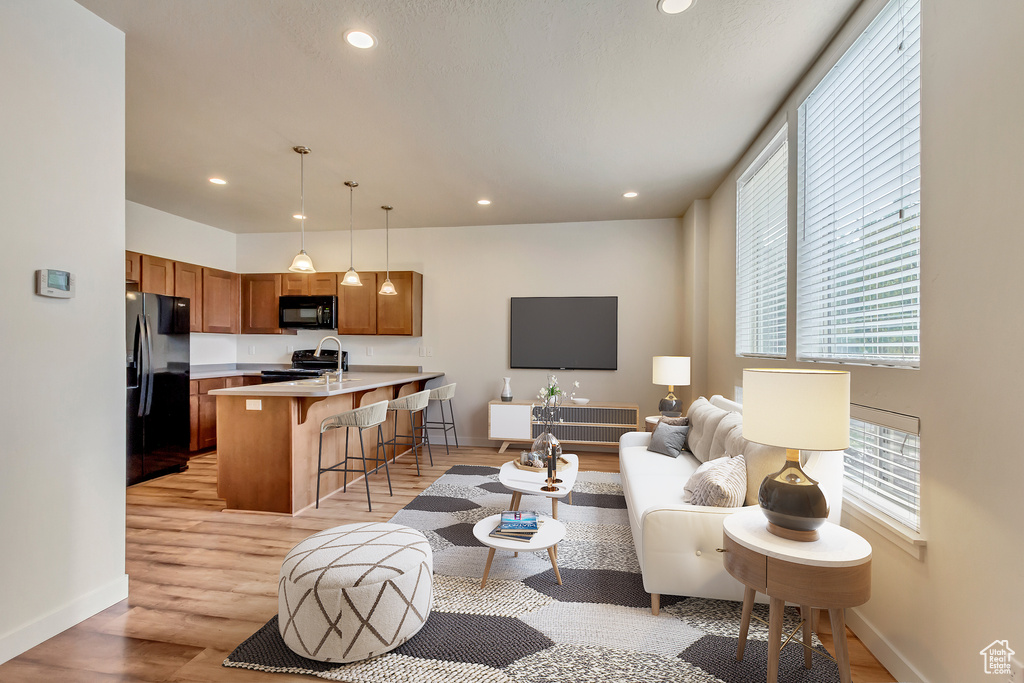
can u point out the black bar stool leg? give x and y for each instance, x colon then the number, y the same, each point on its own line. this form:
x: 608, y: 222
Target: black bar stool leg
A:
x: 344, y: 476
x: 426, y: 439
x: 366, y: 476
x: 451, y: 410
x: 380, y: 439
x: 319, y: 468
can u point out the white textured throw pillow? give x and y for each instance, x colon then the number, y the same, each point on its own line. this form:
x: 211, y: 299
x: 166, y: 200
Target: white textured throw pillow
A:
x: 718, y: 483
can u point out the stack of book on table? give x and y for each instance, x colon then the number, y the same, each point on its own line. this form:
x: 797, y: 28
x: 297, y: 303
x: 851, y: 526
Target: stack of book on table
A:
x: 519, y: 526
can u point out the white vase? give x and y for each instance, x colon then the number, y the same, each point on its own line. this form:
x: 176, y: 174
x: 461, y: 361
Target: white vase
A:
x: 506, y: 390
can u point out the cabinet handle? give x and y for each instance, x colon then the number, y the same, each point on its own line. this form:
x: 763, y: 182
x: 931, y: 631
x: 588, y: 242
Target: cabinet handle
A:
x: 721, y: 550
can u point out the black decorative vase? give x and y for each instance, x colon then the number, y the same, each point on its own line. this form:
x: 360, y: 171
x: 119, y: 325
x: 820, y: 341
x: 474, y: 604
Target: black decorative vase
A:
x: 793, y: 502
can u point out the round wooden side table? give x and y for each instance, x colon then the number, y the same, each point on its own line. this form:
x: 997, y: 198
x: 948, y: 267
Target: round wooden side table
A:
x: 833, y: 573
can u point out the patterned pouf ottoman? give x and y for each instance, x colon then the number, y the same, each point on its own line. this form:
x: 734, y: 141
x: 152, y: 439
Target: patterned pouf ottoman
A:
x: 355, y: 591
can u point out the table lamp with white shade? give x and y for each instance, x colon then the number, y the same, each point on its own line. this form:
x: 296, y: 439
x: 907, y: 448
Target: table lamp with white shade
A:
x: 796, y: 410
x: 672, y: 371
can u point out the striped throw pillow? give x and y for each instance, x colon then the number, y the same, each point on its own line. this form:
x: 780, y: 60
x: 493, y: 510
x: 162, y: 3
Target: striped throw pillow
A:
x: 718, y: 483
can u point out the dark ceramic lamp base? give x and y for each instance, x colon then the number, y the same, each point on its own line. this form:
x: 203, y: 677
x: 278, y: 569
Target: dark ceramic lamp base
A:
x: 793, y: 502
x: 670, y: 406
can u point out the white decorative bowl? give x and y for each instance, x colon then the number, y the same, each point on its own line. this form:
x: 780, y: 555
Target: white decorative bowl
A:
x: 581, y: 401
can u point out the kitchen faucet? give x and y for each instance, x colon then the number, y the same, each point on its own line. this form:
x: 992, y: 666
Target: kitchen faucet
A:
x: 317, y: 355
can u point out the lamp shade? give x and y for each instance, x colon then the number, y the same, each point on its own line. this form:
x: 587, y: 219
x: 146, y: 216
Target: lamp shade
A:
x: 797, y: 409
x: 672, y: 370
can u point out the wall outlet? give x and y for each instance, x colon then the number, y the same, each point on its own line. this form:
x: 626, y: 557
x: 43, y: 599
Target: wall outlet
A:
x: 253, y: 404
x: 252, y: 350
x: 291, y: 348
x: 369, y: 350
x: 430, y: 351
x: 423, y: 351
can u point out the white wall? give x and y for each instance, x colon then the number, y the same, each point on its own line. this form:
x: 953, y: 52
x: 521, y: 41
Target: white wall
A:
x: 928, y: 619
x: 62, y: 465
x: 155, y: 232
x: 470, y: 273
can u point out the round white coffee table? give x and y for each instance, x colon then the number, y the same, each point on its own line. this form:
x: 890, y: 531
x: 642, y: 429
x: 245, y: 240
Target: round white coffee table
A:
x: 531, y: 483
x: 550, y: 533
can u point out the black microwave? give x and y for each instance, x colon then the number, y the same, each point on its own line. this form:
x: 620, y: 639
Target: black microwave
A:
x: 308, y: 312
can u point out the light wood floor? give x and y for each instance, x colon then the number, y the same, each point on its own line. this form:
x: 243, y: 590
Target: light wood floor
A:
x: 203, y: 580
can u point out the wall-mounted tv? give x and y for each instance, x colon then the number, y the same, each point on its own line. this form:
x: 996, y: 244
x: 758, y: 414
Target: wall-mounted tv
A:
x: 564, y: 333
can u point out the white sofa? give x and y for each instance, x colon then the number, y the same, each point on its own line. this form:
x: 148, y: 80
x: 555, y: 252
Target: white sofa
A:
x: 676, y: 542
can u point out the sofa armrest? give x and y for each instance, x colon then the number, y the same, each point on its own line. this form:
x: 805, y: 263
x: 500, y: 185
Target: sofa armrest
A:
x: 634, y: 439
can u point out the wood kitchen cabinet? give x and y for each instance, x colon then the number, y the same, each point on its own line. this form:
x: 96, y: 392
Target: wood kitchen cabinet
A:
x: 221, y: 301
x: 132, y: 266
x: 401, y: 314
x: 157, y: 276
x: 309, y: 284
x: 188, y: 282
x: 361, y: 310
x: 357, y: 306
x: 260, y: 293
x: 203, y: 408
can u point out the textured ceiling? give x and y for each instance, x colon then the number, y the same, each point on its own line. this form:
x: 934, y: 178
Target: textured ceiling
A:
x: 550, y: 108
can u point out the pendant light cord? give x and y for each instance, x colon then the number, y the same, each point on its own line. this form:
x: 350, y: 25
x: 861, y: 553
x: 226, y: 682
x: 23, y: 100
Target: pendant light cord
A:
x: 387, y: 243
x: 302, y: 198
x: 351, y: 251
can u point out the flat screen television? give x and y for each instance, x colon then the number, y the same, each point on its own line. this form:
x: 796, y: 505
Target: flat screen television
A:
x: 564, y: 333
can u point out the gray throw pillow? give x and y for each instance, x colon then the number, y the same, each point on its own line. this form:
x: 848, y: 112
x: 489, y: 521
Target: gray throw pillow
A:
x: 671, y: 422
x: 668, y: 440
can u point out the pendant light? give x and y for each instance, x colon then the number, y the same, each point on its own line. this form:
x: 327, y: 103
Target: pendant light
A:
x: 351, y: 276
x: 302, y: 263
x: 387, y: 289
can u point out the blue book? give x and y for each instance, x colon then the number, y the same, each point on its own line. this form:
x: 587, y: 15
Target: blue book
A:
x: 514, y: 520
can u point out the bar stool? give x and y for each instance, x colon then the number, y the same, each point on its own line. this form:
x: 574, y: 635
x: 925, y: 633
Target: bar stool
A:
x: 444, y: 394
x: 362, y: 419
x: 414, y: 403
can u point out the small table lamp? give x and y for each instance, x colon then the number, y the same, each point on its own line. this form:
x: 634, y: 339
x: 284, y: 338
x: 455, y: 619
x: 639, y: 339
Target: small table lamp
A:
x: 796, y: 410
x: 673, y: 371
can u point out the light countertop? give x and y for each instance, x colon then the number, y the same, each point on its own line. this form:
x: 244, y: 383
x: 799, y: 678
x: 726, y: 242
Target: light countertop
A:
x: 351, y: 381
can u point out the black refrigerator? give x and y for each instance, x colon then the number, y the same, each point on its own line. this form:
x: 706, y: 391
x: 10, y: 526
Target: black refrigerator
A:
x: 157, y: 338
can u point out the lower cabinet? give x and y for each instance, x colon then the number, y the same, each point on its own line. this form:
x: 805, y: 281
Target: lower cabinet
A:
x: 203, y: 408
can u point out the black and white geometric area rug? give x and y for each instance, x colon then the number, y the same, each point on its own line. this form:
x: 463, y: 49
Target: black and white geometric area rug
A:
x: 523, y: 627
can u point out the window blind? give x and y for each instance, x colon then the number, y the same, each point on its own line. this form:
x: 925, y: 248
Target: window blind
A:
x: 761, y: 238
x: 883, y: 469
x: 859, y: 199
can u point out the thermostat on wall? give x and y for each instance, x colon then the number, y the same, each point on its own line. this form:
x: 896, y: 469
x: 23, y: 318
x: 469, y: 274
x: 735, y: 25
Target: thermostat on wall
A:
x: 55, y: 283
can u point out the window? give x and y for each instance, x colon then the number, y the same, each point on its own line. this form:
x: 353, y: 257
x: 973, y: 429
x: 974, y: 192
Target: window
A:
x: 883, y: 464
x: 761, y: 238
x: 859, y: 200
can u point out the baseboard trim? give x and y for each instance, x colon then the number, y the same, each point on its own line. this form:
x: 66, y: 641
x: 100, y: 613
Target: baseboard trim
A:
x: 47, y: 626
x: 882, y: 649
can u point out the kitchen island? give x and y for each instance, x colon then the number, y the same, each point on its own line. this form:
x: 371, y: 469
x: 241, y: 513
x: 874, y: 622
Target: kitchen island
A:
x: 268, y: 435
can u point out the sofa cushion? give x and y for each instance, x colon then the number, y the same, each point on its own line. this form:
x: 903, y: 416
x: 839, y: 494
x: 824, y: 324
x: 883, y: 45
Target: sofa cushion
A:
x: 668, y: 440
x: 732, y: 422
x: 760, y: 460
x: 650, y: 480
x: 704, y: 419
x: 719, y: 483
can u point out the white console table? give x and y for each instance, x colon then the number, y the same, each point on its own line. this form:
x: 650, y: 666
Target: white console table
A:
x: 594, y: 424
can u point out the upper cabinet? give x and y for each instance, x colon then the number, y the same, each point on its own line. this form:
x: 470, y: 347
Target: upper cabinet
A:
x: 361, y: 310
x: 188, y: 282
x: 357, y: 306
x: 314, y: 284
x: 221, y: 301
x: 260, y: 293
x: 402, y: 313
x: 132, y: 266
x: 157, y: 275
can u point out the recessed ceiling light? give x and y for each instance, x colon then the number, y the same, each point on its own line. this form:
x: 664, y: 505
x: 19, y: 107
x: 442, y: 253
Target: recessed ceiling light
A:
x: 218, y: 181
x: 360, y: 39
x: 299, y: 216
x: 483, y: 202
x: 629, y: 195
x: 674, y: 6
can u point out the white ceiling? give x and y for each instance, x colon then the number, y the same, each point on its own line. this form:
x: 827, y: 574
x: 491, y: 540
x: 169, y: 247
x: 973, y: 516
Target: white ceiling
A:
x: 550, y: 108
